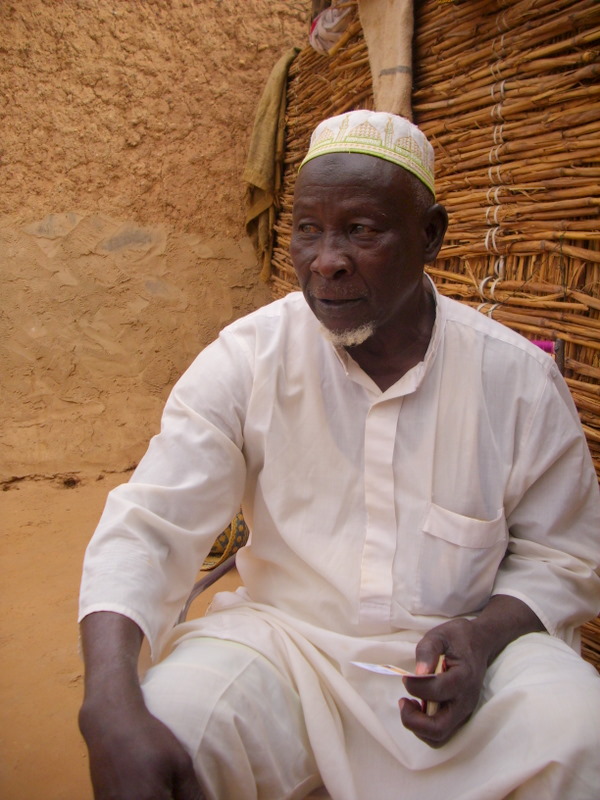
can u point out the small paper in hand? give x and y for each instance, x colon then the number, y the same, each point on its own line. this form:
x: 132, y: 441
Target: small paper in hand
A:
x: 388, y: 669
x: 430, y: 707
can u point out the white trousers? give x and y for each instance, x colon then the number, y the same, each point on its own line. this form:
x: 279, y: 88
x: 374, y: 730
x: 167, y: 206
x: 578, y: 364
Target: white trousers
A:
x: 535, y: 735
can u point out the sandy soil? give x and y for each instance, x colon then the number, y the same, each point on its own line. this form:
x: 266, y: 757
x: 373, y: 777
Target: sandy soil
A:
x: 46, y: 525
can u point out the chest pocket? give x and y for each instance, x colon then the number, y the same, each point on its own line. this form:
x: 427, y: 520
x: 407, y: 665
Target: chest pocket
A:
x: 458, y: 560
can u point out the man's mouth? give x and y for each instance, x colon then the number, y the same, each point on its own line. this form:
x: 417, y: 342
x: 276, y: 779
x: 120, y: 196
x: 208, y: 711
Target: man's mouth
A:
x: 329, y: 296
x: 336, y: 304
x: 337, y: 301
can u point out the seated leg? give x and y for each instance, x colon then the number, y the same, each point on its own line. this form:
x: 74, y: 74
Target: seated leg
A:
x: 238, y: 717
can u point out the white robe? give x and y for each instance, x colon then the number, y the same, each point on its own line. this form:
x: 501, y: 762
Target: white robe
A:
x: 374, y: 515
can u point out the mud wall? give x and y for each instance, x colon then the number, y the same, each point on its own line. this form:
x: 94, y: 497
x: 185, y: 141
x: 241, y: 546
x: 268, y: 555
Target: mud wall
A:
x: 125, y: 127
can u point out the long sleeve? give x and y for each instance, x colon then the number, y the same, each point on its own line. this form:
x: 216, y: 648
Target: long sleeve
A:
x: 157, y: 529
x: 553, y: 514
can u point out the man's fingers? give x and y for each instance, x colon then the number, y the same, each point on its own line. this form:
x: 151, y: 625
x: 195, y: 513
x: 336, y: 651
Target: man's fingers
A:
x: 430, y: 689
x: 424, y: 727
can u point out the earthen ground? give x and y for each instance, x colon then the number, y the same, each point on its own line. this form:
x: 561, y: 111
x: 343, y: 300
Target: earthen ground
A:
x: 45, y: 529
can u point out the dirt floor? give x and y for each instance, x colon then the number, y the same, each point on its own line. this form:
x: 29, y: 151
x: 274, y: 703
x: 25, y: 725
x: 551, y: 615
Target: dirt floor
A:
x: 46, y: 525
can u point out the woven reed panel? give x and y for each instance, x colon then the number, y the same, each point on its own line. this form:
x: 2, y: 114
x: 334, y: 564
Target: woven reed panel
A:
x: 508, y: 93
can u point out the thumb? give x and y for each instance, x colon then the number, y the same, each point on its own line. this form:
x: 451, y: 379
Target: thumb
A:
x: 429, y: 652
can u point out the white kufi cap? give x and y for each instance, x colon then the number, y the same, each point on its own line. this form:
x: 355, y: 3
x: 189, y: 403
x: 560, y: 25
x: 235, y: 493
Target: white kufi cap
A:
x: 379, y: 134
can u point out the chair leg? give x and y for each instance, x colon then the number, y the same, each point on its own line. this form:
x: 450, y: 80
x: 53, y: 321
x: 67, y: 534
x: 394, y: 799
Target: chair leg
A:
x: 204, y: 582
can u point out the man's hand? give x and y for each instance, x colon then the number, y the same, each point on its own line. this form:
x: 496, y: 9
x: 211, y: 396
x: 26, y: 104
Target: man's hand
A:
x: 469, y: 647
x: 456, y: 690
x: 133, y: 756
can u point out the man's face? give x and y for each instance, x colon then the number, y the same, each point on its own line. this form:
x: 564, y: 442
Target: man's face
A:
x: 358, y: 242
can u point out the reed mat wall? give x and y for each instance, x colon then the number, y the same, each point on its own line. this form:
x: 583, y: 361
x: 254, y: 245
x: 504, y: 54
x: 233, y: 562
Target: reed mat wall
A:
x: 508, y: 94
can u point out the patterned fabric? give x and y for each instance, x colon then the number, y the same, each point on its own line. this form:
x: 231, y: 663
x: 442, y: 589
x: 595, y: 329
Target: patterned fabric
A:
x: 379, y: 134
x: 228, y: 542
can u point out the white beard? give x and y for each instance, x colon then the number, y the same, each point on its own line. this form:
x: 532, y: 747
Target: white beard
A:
x: 349, y: 338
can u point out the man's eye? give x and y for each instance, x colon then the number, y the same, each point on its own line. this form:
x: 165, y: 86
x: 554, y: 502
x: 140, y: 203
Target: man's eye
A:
x: 362, y: 230
x: 307, y: 227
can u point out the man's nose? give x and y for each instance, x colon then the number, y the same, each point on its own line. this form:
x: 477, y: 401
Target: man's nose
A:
x: 331, y: 257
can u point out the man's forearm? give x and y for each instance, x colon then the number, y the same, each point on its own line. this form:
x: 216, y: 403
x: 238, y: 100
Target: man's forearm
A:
x: 132, y: 754
x: 111, y: 645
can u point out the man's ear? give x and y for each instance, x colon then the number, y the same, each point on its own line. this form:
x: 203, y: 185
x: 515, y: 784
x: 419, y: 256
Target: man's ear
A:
x: 436, y: 222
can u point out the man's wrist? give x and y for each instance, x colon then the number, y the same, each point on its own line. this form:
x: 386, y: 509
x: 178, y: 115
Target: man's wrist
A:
x: 503, y: 620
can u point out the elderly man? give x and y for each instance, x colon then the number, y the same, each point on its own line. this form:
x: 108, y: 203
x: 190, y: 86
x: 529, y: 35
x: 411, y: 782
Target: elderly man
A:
x: 417, y: 486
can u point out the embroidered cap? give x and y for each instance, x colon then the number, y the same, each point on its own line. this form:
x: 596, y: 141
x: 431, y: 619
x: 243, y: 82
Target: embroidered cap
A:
x: 379, y: 134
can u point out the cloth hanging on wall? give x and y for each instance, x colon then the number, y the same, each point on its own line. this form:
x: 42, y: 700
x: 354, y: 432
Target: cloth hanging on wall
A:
x: 388, y: 29
x: 264, y: 163
x: 327, y: 28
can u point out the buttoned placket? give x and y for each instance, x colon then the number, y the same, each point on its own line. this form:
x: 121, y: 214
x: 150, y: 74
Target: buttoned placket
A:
x: 380, y: 438
x: 379, y: 480
x: 376, y: 578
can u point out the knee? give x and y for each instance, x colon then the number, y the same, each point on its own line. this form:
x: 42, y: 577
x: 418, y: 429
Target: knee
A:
x: 576, y: 713
x: 237, y: 716
x: 192, y: 688
x: 562, y: 716
x: 550, y: 694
